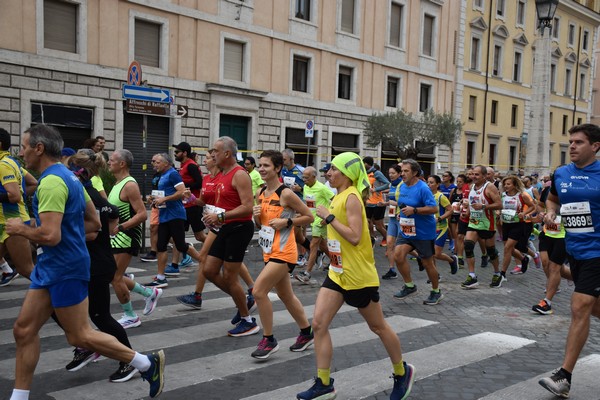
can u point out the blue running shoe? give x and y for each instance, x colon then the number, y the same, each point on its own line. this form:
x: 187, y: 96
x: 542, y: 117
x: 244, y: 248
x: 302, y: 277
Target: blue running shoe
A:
x: 187, y: 261
x: 244, y: 328
x: 7, y: 278
x: 251, y: 307
x: 403, y: 384
x: 318, y: 391
x: 155, y: 374
x: 172, y: 270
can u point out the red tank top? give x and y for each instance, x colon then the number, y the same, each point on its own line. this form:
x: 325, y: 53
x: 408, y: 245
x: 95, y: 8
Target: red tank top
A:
x: 188, y: 180
x: 226, y: 196
x: 209, y: 188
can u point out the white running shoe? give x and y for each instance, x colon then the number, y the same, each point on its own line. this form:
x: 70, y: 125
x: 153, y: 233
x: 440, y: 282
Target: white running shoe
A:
x: 129, y: 322
x: 152, y: 301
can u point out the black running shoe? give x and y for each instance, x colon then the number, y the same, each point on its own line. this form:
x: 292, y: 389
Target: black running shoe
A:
x: 124, y: 373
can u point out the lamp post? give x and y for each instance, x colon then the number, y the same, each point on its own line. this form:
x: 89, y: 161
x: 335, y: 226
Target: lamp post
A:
x: 538, y: 140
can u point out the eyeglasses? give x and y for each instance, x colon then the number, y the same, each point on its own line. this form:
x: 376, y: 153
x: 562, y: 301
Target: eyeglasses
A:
x: 178, y: 151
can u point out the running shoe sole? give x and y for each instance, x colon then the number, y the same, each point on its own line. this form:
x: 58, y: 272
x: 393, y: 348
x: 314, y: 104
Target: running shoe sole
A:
x: 127, y: 377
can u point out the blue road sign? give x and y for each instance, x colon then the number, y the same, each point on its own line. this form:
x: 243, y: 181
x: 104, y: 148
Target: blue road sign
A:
x: 146, y: 93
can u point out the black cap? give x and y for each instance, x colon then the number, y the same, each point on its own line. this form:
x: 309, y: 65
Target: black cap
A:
x: 326, y: 167
x: 184, y: 146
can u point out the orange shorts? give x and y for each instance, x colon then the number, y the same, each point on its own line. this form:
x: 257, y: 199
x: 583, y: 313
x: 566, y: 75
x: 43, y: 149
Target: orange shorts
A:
x: 154, y: 216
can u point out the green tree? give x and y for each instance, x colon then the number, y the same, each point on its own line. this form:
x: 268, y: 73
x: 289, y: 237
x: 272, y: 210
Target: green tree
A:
x: 409, y: 134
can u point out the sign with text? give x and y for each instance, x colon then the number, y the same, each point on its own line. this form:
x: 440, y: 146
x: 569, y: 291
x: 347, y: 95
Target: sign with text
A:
x: 148, y: 107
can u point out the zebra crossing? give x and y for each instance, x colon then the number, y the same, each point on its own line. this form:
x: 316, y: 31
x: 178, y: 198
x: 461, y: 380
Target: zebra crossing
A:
x: 203, y: 363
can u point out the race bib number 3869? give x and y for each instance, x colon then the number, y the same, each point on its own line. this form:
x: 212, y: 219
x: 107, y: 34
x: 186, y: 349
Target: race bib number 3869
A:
x: 577, y: 217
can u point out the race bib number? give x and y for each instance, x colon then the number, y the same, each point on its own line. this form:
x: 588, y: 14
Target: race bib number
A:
x: 508, y: 216
x: 555, y: 228
x: 210, y: 209
x: 391, y: 211
x: 311, y: 203
x: 159, y: 194
x: 408, y: 226
x: 289, y: 181
x: 577, y: 217
x: 335, y: 254
x: 266, y: 235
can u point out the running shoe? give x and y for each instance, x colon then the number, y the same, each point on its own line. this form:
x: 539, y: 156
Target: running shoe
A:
x: 302, y: 342
x: 537, y: 260
x: 461, y: 262
x: 454, y: 265
x: 81, y: 358
x: 192, y: 300
x: 172, y: 270
x: 318, y: 391
x: 187, y: 261
x: 149, y: 257
x: 525, y: 263
x: 323, y: 261
x: 517, y: 270
x: 405, y: 292
x: 484, y: 261
x: 155, y: 374
x: 7, y: 278
x: 265, y: 348
x: 124, y: 373
x: 403, y: 384
x: 557, y: 384
x: 244, y: 328
x: 158, y: 283
x: 439, y: 279
x: 434, y: 298
x: 469, y: 283
x: 543, y: 308
x: 497, y: 281
x: 390, y: 275
x: 152, y: 301
x: 301, y: 260
x: 129, y: 275
x: 303, y: 277
x: 129, y: 322
x: 250, y: 303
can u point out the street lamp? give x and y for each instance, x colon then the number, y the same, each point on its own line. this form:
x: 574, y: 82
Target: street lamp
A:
x: 538, y: 141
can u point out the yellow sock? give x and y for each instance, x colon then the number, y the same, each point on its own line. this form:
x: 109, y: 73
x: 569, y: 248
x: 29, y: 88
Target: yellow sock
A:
x: 324, y: 375
x: 399, y: 368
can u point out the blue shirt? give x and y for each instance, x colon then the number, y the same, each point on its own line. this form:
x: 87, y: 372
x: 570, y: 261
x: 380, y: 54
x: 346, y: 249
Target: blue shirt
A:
x: 578, y: 192
x: 446, y: 189
x: 417, y: 195
x: 174, y: 209
x: 296, y: 172
x: 59, y: 190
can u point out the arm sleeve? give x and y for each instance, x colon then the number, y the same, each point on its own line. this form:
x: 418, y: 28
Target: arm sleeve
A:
x: 380, y: 177
x: 194, y: 172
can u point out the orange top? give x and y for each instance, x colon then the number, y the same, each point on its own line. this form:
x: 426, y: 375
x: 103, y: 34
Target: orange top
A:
x: 281, y: 244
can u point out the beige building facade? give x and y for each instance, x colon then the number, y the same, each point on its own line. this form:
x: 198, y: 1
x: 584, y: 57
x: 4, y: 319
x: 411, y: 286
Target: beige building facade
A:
x: 255, y: 70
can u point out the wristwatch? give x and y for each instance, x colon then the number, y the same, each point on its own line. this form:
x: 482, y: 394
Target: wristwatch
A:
x: 290, y: 222
x: 329, y: 219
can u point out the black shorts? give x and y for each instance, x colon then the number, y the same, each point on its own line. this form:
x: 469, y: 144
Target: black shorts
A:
x: 514, y: 231
x: 482, y: 234
x: 232, y: 241
x: 291, y: 266
x: 359, y: 298
x: 555, y: 247
x: 462, y: 227
x: 175, y: 229
x: 424, y: 248
x: 527, y: 229
x: 194, y: 219
x: 375, y: 213
x: 586, y: 275
x: 454, y: 218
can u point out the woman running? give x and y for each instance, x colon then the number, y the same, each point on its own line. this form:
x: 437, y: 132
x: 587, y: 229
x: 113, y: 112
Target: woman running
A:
x: 441, y: 230
x: 393, y: 225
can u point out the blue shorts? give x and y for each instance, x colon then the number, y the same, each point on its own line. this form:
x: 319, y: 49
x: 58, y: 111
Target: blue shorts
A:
x: 441, y: 236
x: 65, y: 293
x: 393, y: 228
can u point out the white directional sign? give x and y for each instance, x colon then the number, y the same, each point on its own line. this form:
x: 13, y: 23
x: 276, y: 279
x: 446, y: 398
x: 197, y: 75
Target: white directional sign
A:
x: 146, y: 93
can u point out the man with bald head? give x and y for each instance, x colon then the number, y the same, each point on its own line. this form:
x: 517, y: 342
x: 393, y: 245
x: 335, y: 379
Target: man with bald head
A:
x: 315, y: 194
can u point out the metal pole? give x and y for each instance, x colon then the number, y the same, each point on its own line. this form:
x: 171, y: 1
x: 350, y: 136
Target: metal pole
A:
x: 144, y: 169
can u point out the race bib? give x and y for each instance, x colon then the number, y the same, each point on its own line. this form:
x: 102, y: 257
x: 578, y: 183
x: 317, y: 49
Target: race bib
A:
x: 289, y: 181
x: 266, y: 235
x: 391, y: 211
x: 159, y: 194
x: 310, y: 201
x: 335, y: 254
x: 508, y: 216
x: 456, y: 208
x: 577, y: 217
x: 210, y: 209
x: 408, y: 226
x: 554, y: 229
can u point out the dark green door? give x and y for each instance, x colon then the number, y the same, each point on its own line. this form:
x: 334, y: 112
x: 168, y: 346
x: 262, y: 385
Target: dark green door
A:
x: 237, y: 128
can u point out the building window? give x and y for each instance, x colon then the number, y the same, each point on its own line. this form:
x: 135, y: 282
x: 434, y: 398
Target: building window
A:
x: 582, y: 85
x: 492, y: 155
x: 579, y: 121
x: 396, y: 25
x: 475, y: 49
x: 494, y: 112
x: 563, y: 157
x: 428, y: 35
x: 521, y: 8
x: 472, y: 107
x: 585, y: 40
x: 553, y: 78
x: 550, y: 122
x: 555, y: 28
x: 345, y: 83
x: 470, y: 153
x: 300, y: 74
x: 393, y: 86
x: 478, y: 4
x: 497, y: 63
x: 233, y: 60
x: 147, y: 43
x: 342, y: 142
x: 425, y: 97
x: 304, y: 149
x: 565, y: 124
x: 347, y: 24
x: 517, y: 67
x: 500, y: 8
x: 303, y: 9
x: 512, y: 157
x: 60, y: 25
x: 571, y: 35
x: 568, y: 78
x: 514, y: 112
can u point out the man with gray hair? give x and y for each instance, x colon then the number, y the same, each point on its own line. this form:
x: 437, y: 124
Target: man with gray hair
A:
x: 233, y: 217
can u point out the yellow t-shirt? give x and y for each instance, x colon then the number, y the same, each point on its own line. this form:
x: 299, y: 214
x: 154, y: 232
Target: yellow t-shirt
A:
x: 352, y: 267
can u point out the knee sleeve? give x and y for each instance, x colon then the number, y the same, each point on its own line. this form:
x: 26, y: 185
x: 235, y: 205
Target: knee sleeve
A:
x: 492, y: 252
x: 469, y: 248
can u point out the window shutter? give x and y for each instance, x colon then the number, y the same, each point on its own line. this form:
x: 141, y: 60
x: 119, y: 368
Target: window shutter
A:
x: 60, y: 25
x: 348, y: 16
x: 147, y: 43
x: 233, y: 60
x: 395, y: 25
x: 428, y: 35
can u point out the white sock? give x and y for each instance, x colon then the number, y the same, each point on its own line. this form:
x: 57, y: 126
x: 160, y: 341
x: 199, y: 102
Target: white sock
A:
x: 20, y: 394
x: 141, y: 362
x: 248, y: 318
x: 6, y: 268
x: 160, y: 277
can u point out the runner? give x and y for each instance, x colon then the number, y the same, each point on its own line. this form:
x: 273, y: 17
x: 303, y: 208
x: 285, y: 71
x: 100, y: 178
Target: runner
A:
x: 375, y: 207
x: 393, y: 227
